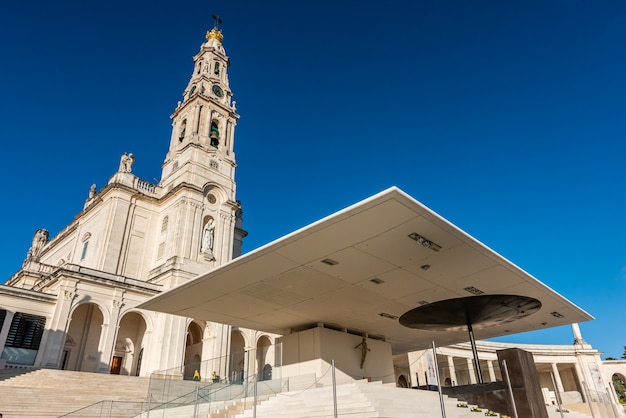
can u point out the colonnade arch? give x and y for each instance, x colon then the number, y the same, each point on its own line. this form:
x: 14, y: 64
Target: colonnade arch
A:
x: 263, y: 369
x: 81, y: 350
x: 619, y: 385
x: 193, y: 347
x: 237, y: 356
x: 128, y: 345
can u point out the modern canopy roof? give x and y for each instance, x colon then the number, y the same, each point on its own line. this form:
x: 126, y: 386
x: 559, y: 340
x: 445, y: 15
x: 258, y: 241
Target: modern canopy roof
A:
x: 359, y: 270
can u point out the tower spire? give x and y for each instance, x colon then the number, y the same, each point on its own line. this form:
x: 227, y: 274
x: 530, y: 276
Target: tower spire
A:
x: 215, y: 33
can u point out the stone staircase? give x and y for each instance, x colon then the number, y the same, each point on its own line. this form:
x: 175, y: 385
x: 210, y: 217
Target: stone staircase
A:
x: 52, y: 393
x: 357, y: 399
x: 48, y: 393
x: 363, y: 400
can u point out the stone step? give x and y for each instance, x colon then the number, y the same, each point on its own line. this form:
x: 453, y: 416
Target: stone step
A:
x: 24, y: 393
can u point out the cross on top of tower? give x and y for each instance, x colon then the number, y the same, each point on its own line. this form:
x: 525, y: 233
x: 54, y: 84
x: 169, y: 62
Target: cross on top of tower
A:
x: 215, y: 32
x: 217, y: 22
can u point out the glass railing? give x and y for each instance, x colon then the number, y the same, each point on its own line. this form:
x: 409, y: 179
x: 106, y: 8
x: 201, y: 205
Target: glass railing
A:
x: 110, y: 409
x: 197, y: 389
x: 207, y: 398
x: 229, y: 376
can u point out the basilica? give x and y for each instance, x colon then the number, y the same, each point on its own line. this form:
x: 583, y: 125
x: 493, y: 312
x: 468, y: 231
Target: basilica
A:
x: 72, y: 305
x: 116, y: 290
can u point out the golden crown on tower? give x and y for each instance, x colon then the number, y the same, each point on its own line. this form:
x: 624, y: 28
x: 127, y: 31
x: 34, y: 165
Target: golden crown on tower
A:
x: 214, y: 34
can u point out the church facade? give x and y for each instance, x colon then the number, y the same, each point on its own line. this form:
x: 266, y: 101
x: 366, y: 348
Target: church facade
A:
x: 72, y: 304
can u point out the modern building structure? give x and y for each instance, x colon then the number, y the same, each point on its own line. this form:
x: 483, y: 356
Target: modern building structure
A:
x: 149, y: 277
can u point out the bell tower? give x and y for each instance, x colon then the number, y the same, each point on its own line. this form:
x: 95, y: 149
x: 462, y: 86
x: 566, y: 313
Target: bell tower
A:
x: 201, y: 223
x: 203, y: 123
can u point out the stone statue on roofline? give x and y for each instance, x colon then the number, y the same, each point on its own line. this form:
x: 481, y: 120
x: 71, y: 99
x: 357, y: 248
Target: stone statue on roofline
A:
x: 39, y: 240
x: 126, y: 162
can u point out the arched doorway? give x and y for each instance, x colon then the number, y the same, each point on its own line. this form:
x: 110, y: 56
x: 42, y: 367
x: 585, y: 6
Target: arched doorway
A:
x: 402, y: 382
x: 619, y: 385
x: 263, y: 369
x: 128, y: 344
x: 193, y: 348
x: 237, y: 357
x: 80, y: 351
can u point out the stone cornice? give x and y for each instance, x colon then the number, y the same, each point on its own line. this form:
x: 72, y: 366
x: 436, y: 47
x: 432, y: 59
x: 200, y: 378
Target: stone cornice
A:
x: 97, y: 276
x: 27, y: 294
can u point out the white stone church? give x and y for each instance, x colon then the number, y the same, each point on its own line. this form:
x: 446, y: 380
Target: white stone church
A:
x: 73, y: 304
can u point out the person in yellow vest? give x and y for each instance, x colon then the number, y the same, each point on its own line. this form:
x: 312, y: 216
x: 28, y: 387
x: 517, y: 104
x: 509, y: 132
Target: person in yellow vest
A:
x: 196, y: 375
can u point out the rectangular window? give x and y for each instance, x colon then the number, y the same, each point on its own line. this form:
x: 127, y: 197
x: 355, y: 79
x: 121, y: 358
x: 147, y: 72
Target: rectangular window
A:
x: 85, y: 245
x: 26, y: 331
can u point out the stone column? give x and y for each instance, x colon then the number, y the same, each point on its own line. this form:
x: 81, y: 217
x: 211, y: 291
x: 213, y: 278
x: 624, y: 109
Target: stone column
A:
x: 4, y: 332
x: 580, y: 377
x: 196, y: 121
x: 471, y: 371
x: 53, y: 342
x: 557, y: 378
x: 492, y: 373
x: 578, y: 336
x: 452, y: 371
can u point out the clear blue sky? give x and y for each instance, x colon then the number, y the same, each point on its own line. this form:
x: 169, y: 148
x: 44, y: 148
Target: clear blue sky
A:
x: 506, y: 118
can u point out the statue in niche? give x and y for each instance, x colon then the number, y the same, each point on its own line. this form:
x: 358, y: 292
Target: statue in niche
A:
x: 39, y: 240
x: 207, y: 236
x: 126, y: 162
x: 364, y: 350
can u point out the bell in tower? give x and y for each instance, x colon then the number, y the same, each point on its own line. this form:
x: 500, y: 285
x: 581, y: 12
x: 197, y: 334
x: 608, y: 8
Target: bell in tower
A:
x: 214, y: 135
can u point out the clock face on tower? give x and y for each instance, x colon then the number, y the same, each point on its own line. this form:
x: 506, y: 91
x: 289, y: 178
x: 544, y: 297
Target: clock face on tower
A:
x: 217, y: 90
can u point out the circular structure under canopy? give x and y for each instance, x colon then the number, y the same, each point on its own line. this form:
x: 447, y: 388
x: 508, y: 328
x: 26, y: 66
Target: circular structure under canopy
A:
x: 473, y: 311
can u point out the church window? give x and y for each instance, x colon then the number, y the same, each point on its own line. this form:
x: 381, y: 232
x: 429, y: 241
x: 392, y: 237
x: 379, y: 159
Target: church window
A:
x: 199, y: 67
x: 26, y: 331
x: 192, y: 91
x: 183, y: 127
x: 164, y: 224
x: 84, y: 253
x: 216, y: 69
x: 161, y: 250
x: 214, y: 135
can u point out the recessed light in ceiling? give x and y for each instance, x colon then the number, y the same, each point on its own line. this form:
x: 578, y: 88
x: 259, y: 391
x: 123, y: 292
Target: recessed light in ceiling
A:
x: 557, y: 315
x: 376, y: 280
x: 424, y: 242
x: 388, y: 316
x: 473, y: 290
x: 425, y: 267
x: 330, y: 262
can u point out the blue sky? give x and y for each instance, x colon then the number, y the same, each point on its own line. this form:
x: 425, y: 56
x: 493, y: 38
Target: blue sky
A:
x: 506, y: 119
